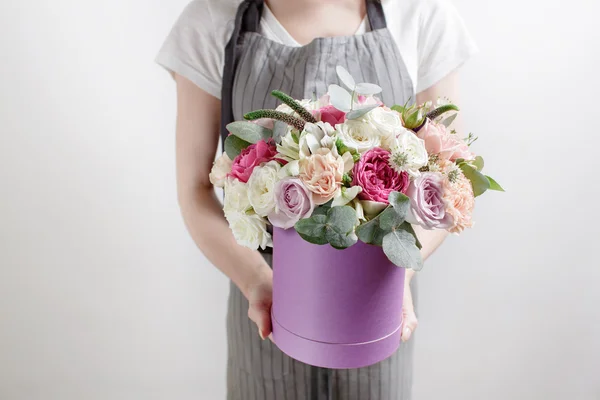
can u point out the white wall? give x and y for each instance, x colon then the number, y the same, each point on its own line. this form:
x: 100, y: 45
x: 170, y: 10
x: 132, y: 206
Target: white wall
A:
x: 104, y: 296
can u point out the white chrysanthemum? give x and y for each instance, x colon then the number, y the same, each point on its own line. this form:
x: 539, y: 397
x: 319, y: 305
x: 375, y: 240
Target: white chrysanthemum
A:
x: 358, y: 135
x: 315, y: 137
x: 219, y: 171
x: 261, y: 187
x: 408, y: 153
x: 386, y: 122
x: 236, y: 196
x: 288, y: 149
x: 249, y: 230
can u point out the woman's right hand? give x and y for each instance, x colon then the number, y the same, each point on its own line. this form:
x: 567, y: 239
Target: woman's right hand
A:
x: 260, y: 299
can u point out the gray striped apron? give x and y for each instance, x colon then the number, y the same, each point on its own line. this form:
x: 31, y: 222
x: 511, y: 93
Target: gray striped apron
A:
x: 254, y: 66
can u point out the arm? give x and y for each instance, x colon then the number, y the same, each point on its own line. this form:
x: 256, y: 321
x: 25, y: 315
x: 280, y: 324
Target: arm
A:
x: 431, y: 240
x: 197, y: 137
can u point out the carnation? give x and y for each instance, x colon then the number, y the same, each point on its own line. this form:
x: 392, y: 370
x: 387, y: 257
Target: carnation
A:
x: 221, y: 168
x: 236, y: 196
x: 249, y: 230
x: 261, y: 188
x: 460, y: 201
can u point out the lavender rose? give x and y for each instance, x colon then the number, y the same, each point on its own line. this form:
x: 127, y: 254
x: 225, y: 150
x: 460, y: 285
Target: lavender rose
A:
x: 427, y: 207
x: 293, y: 201
x: 374, y: 173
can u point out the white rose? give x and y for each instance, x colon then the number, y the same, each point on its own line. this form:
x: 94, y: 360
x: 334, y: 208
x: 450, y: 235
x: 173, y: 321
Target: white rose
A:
x: 358, y: 135
x: 236, y: 196
x: 261, y: 188
x: 408, y: 153
x: 219, y: 171
x: 249, y: 230
x: 386, y: 122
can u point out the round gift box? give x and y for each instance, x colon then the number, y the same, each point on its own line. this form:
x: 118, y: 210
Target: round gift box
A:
x: 335, y: 308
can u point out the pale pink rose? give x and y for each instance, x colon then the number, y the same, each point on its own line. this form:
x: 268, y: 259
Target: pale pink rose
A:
x: 376, y: 176
x: 322, y: 174
x: 460, y: 201
x: 448, y: 145
x: 250, y: 157
x: 293, y: 201
x: 427, y: 207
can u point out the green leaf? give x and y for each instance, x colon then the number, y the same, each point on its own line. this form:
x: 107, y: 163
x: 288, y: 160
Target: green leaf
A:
x: 234, y: 145
x: 389, y: 219
x: 370, y: 232
x: 294, y: 105
x: 401, y: 249
x: 448, y: 121
x: 478, y: 163
x: 494, y: 185
x: 312, y: 229
x: 409, y: 228
x: 249, y: 132
x: 336, y: 227
x: 320, y: 240
x: 479, y: 182
x: 400, y: 202
x: 398, y: 108
x: 342, y: 219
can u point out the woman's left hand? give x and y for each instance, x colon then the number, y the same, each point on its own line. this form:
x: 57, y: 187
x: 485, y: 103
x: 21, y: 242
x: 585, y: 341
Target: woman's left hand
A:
x: 409, y: 318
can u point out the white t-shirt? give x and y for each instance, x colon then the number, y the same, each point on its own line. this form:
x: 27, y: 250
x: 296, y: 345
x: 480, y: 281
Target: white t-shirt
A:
x: 430, y: 35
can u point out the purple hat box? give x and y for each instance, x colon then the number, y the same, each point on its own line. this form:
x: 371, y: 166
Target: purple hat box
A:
x: 335, y: 308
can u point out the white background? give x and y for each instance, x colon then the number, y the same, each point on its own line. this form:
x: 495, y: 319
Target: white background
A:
x: 104, y: 296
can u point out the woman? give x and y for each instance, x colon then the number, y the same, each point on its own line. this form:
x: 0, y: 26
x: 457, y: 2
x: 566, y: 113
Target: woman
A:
x: 226, y: 57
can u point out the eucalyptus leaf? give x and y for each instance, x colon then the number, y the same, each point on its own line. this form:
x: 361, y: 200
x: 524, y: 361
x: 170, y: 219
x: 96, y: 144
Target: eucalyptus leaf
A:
x: 345, y: 77
x: 280, y: 129
x: 234, y: 145
x: 479, y: 182
x: 448, y: 121
x: 409, y: 228
x: 494, y: 185
x: 359, y: 112
x: 478, y: 163
x: 389, y: 219
x: 400, y: 202
x: 249, y: 132
x: 320, y: 240
x: 342, y: 218
x: 340, y: 98
x: 400, y: 248
x: 336, y: 227
x: 370, y: 232
x: 367, y: 89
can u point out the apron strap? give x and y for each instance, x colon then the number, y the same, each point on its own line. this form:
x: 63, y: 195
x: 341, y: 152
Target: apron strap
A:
x: 376, y: 15
x: 247, y: 19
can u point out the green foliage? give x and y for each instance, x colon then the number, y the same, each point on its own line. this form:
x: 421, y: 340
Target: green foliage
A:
x: 335, y: 227
x: 400, y: 246
x: 494, y: 185
x: 249, y: 132
x: 234, y: 145
x: 479, y: 182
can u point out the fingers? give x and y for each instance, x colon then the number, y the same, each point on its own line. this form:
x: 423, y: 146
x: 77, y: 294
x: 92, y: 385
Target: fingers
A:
x: 262, y: 319
x: 409, y: 325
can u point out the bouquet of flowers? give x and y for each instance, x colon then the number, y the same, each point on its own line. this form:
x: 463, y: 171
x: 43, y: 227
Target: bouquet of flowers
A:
x: 345, y: 168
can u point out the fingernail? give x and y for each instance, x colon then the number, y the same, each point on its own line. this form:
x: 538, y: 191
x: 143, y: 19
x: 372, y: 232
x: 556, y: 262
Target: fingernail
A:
x: 406, y: 336
x: 261, y: 334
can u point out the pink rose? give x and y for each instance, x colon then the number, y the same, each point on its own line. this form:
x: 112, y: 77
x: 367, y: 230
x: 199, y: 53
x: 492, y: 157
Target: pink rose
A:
x: 460, y: 201
x: 293, y: 201
x: 427, y: 207
x: 322, y: 174
x: 377, y: 178
x: 332, y: 115
x: 448, y: 145
x: 250, y: 157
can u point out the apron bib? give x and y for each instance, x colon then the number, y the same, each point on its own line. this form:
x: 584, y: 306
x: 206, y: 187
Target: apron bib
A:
x: 255, y: 66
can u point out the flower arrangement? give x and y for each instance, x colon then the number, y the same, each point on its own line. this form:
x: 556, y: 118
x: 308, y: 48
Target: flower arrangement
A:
x: 345, y: 167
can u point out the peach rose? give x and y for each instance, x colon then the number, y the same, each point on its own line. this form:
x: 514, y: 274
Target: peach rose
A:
x: 460, y: 201
x: 322, y: 174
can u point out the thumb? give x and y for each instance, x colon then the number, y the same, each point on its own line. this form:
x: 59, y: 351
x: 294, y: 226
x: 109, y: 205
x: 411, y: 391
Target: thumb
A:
x: 261, y: 316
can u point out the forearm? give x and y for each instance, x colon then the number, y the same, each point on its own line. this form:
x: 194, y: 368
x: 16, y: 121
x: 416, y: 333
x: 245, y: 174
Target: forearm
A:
x: 430, y: 240
x: 203, y: 216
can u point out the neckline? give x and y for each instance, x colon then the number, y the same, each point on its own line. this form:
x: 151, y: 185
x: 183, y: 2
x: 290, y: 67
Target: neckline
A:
x: 272, y: 24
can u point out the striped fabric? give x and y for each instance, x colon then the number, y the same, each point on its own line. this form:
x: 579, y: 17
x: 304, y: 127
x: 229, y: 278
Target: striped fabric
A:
x: 258, y: 370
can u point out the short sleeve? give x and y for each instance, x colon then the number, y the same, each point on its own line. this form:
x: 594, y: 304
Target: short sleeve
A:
x: 194, y: 48
x: 444, y: 43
